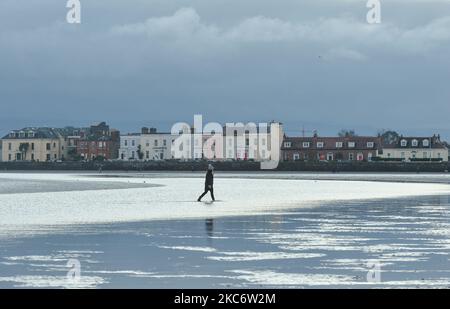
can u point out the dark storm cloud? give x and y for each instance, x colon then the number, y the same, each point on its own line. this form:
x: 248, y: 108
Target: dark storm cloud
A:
x: 312, y: 63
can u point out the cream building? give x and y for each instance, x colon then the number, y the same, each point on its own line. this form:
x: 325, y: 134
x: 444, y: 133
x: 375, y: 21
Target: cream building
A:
x: 416, y: 149
x: 34, y: 144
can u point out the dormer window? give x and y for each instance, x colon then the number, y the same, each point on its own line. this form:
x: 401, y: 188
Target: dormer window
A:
x: 305, y: 144
x: 403, y: 143
x: 351, y: 144
x: 415, y: 143
x: 426, y: 143
x: 370, y: 144
x: 12, y: 134
x: 21, y: 134
x: 287, y: 144
x: 30, y: 134
x: 339, y: 144
x: 319, y: 144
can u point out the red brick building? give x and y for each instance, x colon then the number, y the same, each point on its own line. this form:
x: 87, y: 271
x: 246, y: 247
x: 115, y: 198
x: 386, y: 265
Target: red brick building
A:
x: 316, y: 148
x: 99, y: 142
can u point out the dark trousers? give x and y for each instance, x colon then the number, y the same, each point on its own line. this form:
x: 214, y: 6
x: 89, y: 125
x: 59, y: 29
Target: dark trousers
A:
x: 210, y: 189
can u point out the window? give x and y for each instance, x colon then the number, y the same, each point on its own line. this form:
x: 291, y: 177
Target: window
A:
x: 351, y: 156
x: 319, y: 144
x: 296, y: 156
x: 32, y: 157
x: 305, y: 144
x: 147, y: 154
x: 370, y: 144
x: 165, y: 142
x: 9, y: 146
x: 132, y: 155
x: 351, y: 145
x: 48, y: 147
x: 263, y: 141
x: 133, y: 143
x: 9, y: 157
x: 415, y: 143
x: 54, y: 145
x: 403, y: 143
x: 338, y: 144
x: 125, y: 143
x: 287, y: 144
x: 426, y: 143
x: 155, y: 143
x: 48, y: 155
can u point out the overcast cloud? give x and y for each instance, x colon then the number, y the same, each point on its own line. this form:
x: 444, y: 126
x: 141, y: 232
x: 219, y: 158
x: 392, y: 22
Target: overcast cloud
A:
x: 316, y: 64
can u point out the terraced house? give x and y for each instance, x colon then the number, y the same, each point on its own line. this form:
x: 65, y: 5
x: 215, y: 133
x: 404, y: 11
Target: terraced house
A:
x: 317, y: 148
x: 33, y: 144
x: 416, y: 149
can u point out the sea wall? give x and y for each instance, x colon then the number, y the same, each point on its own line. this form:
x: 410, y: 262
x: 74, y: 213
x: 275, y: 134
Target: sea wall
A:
x: 228, y: 166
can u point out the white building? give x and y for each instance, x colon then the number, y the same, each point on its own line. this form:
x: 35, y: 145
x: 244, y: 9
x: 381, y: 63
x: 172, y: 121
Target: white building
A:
x: 239, y: 143
x: 130, y: 148
x: 148, y: 145
x: 416, y: 149
x: 156, y: 145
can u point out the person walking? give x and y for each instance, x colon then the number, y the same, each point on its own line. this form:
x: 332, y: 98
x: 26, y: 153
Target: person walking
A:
x: 209, y: 182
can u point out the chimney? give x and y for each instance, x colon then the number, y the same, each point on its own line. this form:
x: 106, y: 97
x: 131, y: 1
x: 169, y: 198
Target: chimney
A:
x: 152, y: 130
x: 145, y: 130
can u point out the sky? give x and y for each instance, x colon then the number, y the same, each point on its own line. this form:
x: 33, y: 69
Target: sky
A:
x: 316, y: 64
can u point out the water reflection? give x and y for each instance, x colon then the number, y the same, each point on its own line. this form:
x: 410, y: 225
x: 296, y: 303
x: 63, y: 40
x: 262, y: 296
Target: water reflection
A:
x: 209, y: 224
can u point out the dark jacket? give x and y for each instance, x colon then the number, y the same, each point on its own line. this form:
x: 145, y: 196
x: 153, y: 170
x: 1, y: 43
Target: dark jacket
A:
x: 209, y: 180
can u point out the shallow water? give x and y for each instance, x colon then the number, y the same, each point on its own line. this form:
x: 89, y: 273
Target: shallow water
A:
x: 331, y: 237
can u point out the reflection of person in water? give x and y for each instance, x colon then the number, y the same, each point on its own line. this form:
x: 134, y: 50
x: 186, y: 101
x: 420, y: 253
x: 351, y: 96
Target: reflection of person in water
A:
x: 209, y: 223
x: 209, y: 182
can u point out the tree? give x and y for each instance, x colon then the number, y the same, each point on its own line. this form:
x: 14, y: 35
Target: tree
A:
x: 99, y: 158
x: 23, y: 148
x: 346, y: 133
x: 389, y: 136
